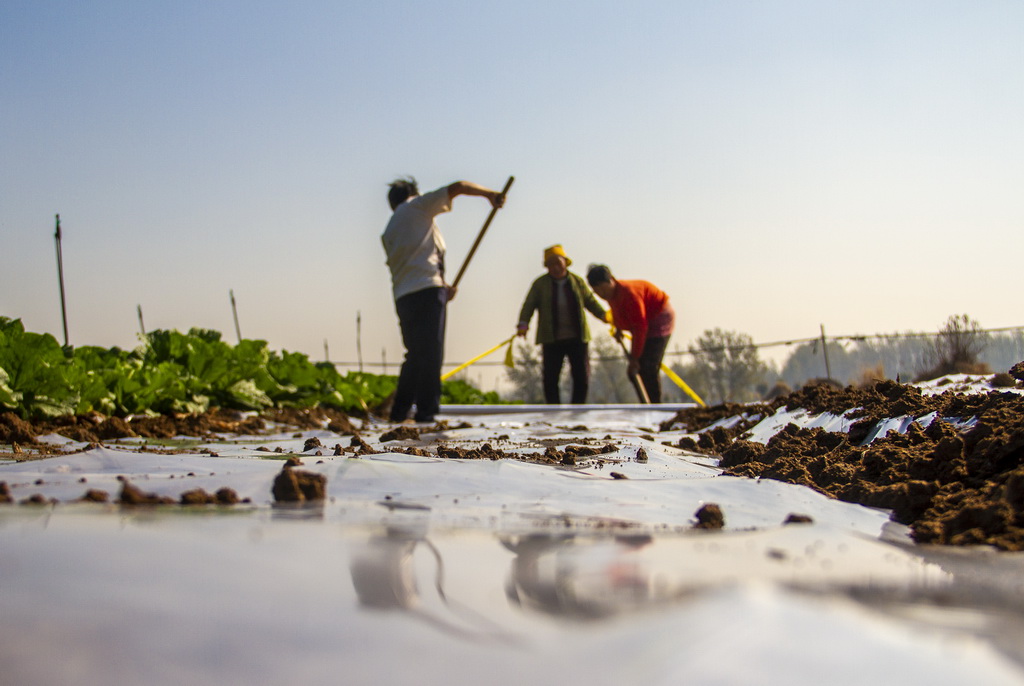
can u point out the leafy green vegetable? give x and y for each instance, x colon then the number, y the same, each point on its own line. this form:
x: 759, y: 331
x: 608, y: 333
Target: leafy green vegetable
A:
x: 459, y: 392
x: 176, y: 372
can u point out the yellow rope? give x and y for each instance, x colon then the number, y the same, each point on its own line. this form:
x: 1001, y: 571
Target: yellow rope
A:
x: 682, y: 384
x: 508, y: 342
x: 508, y: 362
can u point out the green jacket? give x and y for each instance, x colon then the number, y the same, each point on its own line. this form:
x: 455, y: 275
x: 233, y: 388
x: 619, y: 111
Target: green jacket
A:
x: 540, y: 299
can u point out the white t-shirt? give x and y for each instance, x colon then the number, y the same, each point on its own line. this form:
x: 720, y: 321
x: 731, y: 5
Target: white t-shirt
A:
x: 413, y: 243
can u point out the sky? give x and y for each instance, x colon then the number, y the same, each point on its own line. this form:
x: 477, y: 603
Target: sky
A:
x: 774, y: 167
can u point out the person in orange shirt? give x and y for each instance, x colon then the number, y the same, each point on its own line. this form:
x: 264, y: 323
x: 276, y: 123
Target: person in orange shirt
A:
x: 642, y: 309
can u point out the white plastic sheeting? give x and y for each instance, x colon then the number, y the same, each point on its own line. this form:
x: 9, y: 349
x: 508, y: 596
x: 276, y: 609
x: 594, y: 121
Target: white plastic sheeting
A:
x: 419, y: 570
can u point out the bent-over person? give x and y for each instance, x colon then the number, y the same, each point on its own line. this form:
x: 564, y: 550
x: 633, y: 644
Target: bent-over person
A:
x: 642, y: 309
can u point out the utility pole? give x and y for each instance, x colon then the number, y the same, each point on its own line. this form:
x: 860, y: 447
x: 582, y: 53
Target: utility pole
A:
x: 60, y: 276
x: 142, y: 325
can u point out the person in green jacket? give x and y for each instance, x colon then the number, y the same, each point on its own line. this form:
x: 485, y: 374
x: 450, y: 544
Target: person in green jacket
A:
x: 559, y: 298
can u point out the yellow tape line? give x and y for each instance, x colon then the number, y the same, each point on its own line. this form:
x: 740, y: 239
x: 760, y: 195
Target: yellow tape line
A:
x: 508, y: 342
x: 682, y: 384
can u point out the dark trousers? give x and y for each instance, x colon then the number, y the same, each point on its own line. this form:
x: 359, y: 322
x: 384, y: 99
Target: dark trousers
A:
x: 650, y: 366
x: 421, y: 316
x: 554, y: 355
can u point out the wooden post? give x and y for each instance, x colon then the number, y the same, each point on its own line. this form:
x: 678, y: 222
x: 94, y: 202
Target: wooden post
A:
x: 824, y: 351
x: 60, y: 276
x: 359, y: 339
x: 234, y: 312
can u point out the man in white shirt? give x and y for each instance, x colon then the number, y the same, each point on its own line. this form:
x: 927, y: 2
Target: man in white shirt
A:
x: 415, y: 255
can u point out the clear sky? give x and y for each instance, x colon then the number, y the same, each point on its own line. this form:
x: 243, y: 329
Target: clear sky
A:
x: 773, y: 166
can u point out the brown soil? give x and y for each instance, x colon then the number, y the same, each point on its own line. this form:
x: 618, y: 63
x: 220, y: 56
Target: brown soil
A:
x: 95, y: 428
x: 133, y: 495
x: 198, y: 496
x: 571, y: 456
x: 709, y: 516
x: 952, y: 486
x: 298, y: 486
x: 400, y: 433
x: 96, y: 495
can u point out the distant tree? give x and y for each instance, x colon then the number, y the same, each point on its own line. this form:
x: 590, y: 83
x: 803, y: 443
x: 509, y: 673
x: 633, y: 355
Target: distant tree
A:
x: 1004, y: 350
x: 898, y: 355
x: 956, y: 349
x: 608, y: 380
x: 727, y: 366
x: 807, y: 361
x: 525, y: 376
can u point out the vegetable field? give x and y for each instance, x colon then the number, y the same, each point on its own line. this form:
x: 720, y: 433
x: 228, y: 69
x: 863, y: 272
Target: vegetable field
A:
x: 184, y: 373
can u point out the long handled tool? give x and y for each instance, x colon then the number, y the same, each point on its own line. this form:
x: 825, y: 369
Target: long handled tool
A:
x: 675, y: 378
x: 480, y: 236
x: 638, y: 383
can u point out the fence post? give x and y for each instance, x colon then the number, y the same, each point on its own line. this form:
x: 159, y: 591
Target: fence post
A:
x: 60, y: 276
x: 234, y: 313
x: 359, y: 339
x: 824, y: 351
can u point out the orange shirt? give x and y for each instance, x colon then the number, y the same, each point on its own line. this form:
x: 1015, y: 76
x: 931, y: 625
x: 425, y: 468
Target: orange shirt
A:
x: 642, y: 309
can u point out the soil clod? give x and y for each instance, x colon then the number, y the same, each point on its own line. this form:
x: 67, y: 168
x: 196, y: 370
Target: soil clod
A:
x: 709, y: 516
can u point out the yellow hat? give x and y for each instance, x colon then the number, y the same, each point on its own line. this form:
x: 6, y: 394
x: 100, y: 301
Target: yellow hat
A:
x: 556, y: 250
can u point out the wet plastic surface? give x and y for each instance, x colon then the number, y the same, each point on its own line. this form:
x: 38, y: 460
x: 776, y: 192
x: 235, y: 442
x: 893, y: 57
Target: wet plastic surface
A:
x: 430, y: 571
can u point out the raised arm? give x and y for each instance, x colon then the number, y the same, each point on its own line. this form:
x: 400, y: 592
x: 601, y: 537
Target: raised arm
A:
x: 469, y: 188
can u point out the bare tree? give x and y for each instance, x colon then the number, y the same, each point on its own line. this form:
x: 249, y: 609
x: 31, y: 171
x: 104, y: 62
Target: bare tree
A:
x: 960, y: 342
x: 525, y: 376
x: 727, y: 366
x: 608, y: 380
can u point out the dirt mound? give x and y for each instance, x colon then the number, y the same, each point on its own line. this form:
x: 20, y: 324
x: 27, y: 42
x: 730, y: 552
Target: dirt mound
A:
x: 95, y: 428
x: 871, y: 403
x: 14, y: 429
x: 570, y: 456
x: 951, y: 485
x: 298, y: 486
x: 400, y: 433
x: 696, y: 418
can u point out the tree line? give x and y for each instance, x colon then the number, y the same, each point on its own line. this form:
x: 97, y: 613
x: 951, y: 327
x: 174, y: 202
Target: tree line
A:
x: 726, y: 366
